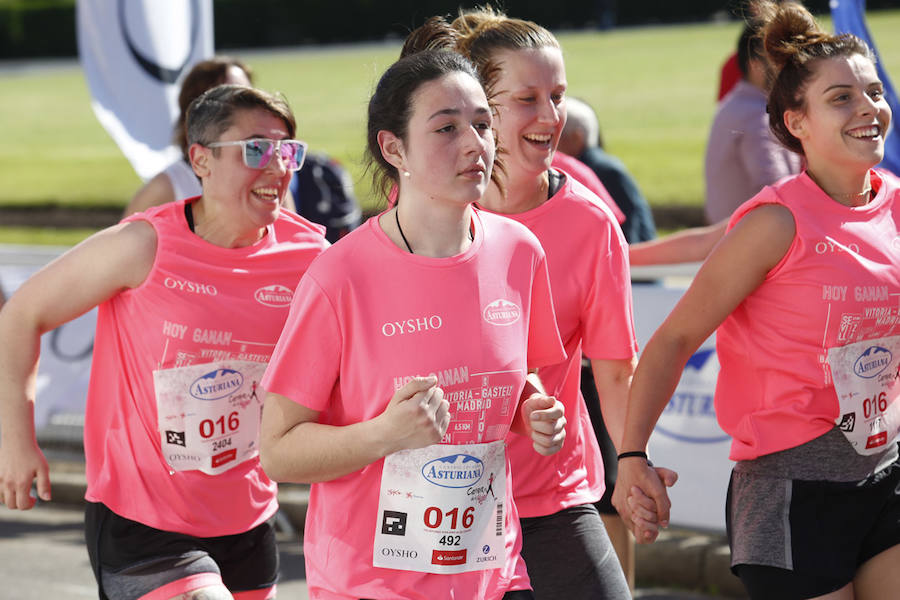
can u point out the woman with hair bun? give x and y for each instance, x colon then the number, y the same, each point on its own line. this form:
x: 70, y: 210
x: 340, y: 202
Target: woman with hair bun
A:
x: 803, y: 290
x: 566, y: 547
x: 416, y: 332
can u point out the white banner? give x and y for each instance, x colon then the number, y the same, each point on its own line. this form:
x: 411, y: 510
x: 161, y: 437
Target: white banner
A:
x: 135, y: 54
x: 687, y: 437
x: 65, y: 364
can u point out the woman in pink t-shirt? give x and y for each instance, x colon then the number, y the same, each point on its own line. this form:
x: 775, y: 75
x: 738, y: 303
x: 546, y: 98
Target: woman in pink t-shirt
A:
x: 566, y: 545
x: 402, y: 364
x: 803, y: 290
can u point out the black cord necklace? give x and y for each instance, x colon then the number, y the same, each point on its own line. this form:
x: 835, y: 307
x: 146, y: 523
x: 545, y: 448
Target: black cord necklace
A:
x: 406, y: 241
x: 189, y: 215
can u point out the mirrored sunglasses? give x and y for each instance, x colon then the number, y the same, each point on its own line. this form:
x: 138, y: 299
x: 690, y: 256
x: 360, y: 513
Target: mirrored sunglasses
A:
x: 258, y: 153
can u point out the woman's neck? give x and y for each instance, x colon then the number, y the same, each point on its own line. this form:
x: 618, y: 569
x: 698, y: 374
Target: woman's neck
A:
x: 218, y: 229
x: 429, y: 229
x: 850, y: 188
x: 519, y: 194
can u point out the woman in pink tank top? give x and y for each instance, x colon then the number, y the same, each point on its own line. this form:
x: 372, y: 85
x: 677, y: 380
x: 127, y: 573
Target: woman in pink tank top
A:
x: 803, y: 290
x: 191, y: 298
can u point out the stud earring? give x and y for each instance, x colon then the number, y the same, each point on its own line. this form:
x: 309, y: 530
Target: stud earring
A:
x: 406, y: 173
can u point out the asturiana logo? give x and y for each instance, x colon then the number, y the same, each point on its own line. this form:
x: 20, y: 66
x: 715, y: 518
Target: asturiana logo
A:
x: 502, y: 312
x: 274, y: 295
x: 872, y: 362
x: 217, y: 384
x: 455, y: 471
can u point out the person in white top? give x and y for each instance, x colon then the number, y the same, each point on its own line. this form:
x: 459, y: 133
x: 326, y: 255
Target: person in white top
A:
x: 178, y: 181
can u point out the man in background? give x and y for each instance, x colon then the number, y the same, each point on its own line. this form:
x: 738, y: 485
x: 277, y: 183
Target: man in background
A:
x: 581, y: 139
x: 742, y: 155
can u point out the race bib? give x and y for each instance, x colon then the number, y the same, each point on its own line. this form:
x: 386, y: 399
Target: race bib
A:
x: 209, y: 414
x: 865, y: 376
x: 440, y: 509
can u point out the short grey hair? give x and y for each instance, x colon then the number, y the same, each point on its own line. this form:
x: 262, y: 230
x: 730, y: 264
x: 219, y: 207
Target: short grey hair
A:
x: 580, y: 116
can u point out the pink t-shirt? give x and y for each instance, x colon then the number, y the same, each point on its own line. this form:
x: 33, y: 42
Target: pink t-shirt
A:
x: 837, y: 284
x: 590, y: 280
x: 589, y: 179
x: 368, y: 316
x: 200, y: 304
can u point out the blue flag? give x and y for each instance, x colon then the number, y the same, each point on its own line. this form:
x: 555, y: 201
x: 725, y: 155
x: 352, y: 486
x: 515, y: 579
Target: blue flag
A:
x: 849, y: 17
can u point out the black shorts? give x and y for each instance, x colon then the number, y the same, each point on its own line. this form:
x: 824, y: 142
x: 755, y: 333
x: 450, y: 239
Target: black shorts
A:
x: 826, y: 530
x: 130, y: 559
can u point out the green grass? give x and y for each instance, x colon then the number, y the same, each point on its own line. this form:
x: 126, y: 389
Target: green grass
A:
x: 653, y: 87
x: 43, y: 235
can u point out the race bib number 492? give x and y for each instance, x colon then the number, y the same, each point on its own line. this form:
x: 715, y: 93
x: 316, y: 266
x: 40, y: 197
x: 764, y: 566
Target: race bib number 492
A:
x: 441, y: 509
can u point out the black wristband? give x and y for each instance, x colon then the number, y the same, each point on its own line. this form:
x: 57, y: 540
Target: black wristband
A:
x: 636, y: 454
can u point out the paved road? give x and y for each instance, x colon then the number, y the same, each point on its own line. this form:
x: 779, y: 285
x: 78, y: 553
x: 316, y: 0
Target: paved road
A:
x: 42, y: 556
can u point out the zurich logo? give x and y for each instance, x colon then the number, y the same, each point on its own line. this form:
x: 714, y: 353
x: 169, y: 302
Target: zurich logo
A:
x: 217, y: 384
x: 455, y: 471
x: 872, y: 362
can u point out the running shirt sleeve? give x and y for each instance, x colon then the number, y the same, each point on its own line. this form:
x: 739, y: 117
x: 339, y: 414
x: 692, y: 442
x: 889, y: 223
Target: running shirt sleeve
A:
x: 310, y: 343
x: 608, y: 314
x: 544, y: 344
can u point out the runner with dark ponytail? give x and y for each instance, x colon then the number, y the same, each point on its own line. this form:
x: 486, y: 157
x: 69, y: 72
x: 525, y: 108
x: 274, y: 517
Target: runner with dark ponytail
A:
x: 797, y: 292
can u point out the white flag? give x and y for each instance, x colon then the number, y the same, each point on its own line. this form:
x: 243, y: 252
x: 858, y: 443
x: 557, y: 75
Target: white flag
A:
x: 135, y: 53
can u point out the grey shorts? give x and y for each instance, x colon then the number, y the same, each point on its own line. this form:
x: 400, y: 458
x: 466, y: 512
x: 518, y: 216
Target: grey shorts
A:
x: 818, y: 530
x: 568, y: 555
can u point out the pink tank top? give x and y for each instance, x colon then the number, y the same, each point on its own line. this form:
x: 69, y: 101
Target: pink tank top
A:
x: 838, y: 284
x: 211, y: 313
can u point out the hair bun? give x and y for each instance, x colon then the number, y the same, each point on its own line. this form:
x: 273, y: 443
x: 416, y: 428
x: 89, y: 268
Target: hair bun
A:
x: 787, y: 31
x: 435, y: 34
x: 472, y: 25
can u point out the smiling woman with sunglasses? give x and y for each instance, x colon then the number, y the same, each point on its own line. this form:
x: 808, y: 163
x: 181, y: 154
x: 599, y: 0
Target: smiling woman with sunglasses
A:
x: 192, y: 296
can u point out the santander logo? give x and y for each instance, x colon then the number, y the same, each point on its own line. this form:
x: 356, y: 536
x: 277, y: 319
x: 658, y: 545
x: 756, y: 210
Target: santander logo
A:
x: 502, y: 312
x: 274, y: 295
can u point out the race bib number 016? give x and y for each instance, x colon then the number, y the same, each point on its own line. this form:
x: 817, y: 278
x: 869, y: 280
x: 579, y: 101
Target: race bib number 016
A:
x: 209, y: 414
x: 866, y: 378
x: 441, y: 509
